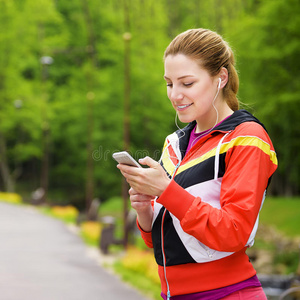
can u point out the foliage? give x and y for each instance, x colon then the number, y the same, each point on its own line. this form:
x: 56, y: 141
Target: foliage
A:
x: 67, y: 214
x: 278, y: 236
x: 139, y: 269
x: 11, y: 198
x: 71, y: 112
x: 287, y: 262
x: 269, y: 47
x: 91, y: 232
x: 142, y: 263
x: 283, y: 214
x: 113, y: 207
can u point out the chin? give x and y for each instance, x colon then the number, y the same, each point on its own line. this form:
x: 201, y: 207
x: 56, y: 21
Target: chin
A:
x: 185, y: 119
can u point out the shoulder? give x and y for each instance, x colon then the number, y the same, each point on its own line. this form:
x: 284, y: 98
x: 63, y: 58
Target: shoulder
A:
x: 249, y: 136
x: 250, y: 129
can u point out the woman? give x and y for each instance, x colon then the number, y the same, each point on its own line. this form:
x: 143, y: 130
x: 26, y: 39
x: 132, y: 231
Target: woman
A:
x: 199, y: 207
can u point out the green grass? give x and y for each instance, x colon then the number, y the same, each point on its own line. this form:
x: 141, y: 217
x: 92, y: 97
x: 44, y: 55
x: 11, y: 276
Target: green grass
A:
x: 112, y: 207
x: 138, y: 281
x: 288, y: 261
x: 283, y: 214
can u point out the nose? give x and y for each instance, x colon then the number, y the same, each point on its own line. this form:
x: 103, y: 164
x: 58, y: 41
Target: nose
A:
x: 175, y: 94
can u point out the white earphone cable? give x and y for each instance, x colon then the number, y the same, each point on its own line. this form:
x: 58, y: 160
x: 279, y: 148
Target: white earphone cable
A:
x: 207, y: 132
x: 217, y: 112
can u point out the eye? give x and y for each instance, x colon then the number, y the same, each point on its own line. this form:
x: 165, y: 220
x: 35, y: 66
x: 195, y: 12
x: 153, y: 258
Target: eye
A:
x: 188, y: 84
x: 169, y: 84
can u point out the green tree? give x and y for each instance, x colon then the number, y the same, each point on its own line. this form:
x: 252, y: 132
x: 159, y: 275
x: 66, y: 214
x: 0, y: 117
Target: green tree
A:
x: 79, y: 105
x: 269, y: 43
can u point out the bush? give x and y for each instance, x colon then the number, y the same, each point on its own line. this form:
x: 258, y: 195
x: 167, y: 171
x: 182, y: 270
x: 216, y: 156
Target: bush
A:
x: 142, y: 262
x: 90, y: 232
x: 286, y: 262
x: 139, y: 268
x: 67, y: 213
x: 11, y: 198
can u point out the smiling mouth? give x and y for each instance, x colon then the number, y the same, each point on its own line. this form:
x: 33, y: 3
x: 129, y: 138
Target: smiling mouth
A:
x: 180, y: 107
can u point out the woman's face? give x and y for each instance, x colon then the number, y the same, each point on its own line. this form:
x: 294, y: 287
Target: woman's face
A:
x: 191, y: 90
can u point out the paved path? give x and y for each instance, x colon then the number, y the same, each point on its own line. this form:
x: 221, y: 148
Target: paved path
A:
x: 40, y: 259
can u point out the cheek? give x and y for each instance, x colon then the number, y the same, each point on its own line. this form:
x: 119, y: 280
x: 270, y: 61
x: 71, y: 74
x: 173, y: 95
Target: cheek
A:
x: 202, y: 97
x: 169, y: 94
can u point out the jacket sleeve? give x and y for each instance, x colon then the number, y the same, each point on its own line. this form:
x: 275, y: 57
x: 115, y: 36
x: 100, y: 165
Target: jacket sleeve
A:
x: 250, y: 161
x: 146, y: 236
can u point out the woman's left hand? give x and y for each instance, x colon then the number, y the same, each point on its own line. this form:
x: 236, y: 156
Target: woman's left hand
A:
x: 150, y: 181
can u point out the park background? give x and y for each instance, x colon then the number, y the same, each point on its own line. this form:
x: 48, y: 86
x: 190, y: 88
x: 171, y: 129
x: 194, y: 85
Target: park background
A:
x: 82, y: 79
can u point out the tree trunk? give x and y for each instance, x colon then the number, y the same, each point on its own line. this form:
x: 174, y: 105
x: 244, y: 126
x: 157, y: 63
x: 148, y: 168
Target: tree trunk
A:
x: 8, y: 181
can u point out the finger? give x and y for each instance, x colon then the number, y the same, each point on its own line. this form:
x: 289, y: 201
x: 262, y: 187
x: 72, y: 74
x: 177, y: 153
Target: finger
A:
x: 133, y: 181
x: 141, y: 198
x: 128, y: 175
x: 128, y: 169
x: 134, y: 195
x: 149, y: 162
x: 132, y: 191
x: 140, y: 205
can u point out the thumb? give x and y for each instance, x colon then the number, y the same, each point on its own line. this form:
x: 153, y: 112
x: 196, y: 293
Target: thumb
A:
x: 149, y: 162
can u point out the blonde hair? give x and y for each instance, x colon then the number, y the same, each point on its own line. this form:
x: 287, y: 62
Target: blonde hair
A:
x: 212, y: 53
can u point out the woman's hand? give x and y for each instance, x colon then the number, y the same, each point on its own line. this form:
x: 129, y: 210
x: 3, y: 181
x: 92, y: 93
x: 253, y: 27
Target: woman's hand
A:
x: 142, y: 204
x: 150, y: 181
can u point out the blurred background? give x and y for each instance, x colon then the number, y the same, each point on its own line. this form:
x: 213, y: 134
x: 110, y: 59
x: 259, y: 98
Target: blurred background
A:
x: 81, y: 79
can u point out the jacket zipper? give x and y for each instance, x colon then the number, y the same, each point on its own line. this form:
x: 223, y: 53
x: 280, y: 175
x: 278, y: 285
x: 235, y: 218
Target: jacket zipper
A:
x: 162, y: 237
x: 163, y: 254
x: 162, y: 242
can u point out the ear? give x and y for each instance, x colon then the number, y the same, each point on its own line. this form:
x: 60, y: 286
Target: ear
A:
x: 223, y: 74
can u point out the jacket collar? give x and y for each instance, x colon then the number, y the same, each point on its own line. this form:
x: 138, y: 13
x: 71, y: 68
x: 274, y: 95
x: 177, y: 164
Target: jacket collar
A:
x: 237, y: 118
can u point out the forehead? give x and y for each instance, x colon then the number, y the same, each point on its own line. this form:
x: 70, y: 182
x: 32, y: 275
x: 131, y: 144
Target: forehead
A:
x: 181, y: 65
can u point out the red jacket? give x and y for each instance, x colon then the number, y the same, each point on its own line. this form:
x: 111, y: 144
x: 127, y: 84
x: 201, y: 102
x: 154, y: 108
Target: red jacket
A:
x: 208, y: 215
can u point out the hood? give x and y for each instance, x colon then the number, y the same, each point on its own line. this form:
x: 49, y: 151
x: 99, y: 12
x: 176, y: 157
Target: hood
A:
x: 237, y: 118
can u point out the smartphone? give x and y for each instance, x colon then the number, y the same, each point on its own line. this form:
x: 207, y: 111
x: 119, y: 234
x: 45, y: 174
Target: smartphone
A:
x: 125, y: 158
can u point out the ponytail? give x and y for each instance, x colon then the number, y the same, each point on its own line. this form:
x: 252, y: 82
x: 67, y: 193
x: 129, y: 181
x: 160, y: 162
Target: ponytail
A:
x: 231, y: 88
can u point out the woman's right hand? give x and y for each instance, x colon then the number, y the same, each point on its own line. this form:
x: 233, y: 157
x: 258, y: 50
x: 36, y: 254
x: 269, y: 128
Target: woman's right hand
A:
x: 142, y: 204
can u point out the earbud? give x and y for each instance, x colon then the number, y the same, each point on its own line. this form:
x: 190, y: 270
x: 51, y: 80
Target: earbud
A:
x: 219, y: 85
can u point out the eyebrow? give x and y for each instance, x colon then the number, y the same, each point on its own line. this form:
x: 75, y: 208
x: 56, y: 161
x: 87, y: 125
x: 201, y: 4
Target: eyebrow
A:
x: 181, y: 77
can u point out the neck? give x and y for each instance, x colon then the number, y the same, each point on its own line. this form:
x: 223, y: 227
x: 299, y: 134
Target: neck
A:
x: 220, y: 114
